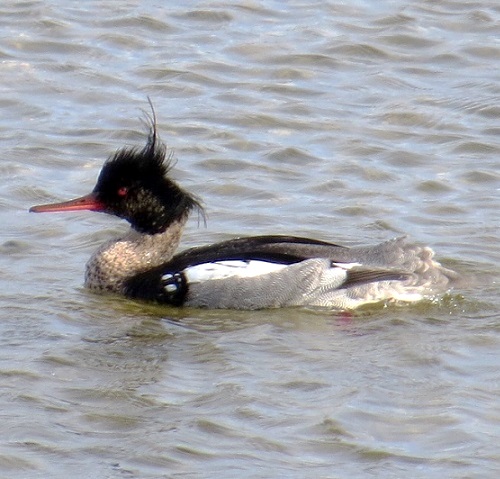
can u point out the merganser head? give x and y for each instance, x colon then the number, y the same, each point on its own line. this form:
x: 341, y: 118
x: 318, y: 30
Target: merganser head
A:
x: 134, y: 185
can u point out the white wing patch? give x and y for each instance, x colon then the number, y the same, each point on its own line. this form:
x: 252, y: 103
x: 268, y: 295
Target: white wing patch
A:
x: 345, y: 266
x: 230, y: 268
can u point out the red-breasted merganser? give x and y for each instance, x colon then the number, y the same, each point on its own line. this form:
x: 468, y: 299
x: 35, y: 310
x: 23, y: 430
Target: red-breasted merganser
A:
x: 243, y: 273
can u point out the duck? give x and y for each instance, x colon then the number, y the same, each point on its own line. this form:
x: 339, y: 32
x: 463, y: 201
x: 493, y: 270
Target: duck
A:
x: 245, y: 273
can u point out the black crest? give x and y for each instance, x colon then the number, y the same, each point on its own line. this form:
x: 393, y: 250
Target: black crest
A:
x: 134, y: 185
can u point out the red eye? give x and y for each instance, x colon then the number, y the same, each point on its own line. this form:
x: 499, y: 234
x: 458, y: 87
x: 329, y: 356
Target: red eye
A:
x: 122, y: 191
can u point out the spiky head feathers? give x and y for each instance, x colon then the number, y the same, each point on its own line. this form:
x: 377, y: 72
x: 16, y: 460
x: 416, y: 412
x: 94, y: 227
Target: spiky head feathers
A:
x: 134, y: 185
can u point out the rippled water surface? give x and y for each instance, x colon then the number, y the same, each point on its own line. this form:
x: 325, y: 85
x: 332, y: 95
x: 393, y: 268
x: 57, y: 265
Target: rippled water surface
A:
x: 352, y: 122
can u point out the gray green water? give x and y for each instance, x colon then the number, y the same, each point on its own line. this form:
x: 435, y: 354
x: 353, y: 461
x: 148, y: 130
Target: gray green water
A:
x: 345, y: 121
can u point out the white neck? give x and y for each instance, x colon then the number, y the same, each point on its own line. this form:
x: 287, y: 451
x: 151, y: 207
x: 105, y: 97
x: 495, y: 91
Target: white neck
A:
x: 119, y: 259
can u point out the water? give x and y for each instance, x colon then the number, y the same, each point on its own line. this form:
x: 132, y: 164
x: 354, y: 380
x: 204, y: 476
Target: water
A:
x: 351, y: 122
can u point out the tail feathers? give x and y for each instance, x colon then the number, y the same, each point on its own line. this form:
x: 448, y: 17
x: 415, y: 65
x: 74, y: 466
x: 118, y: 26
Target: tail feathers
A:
x: 416, y: 261
x: 428, y: 273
